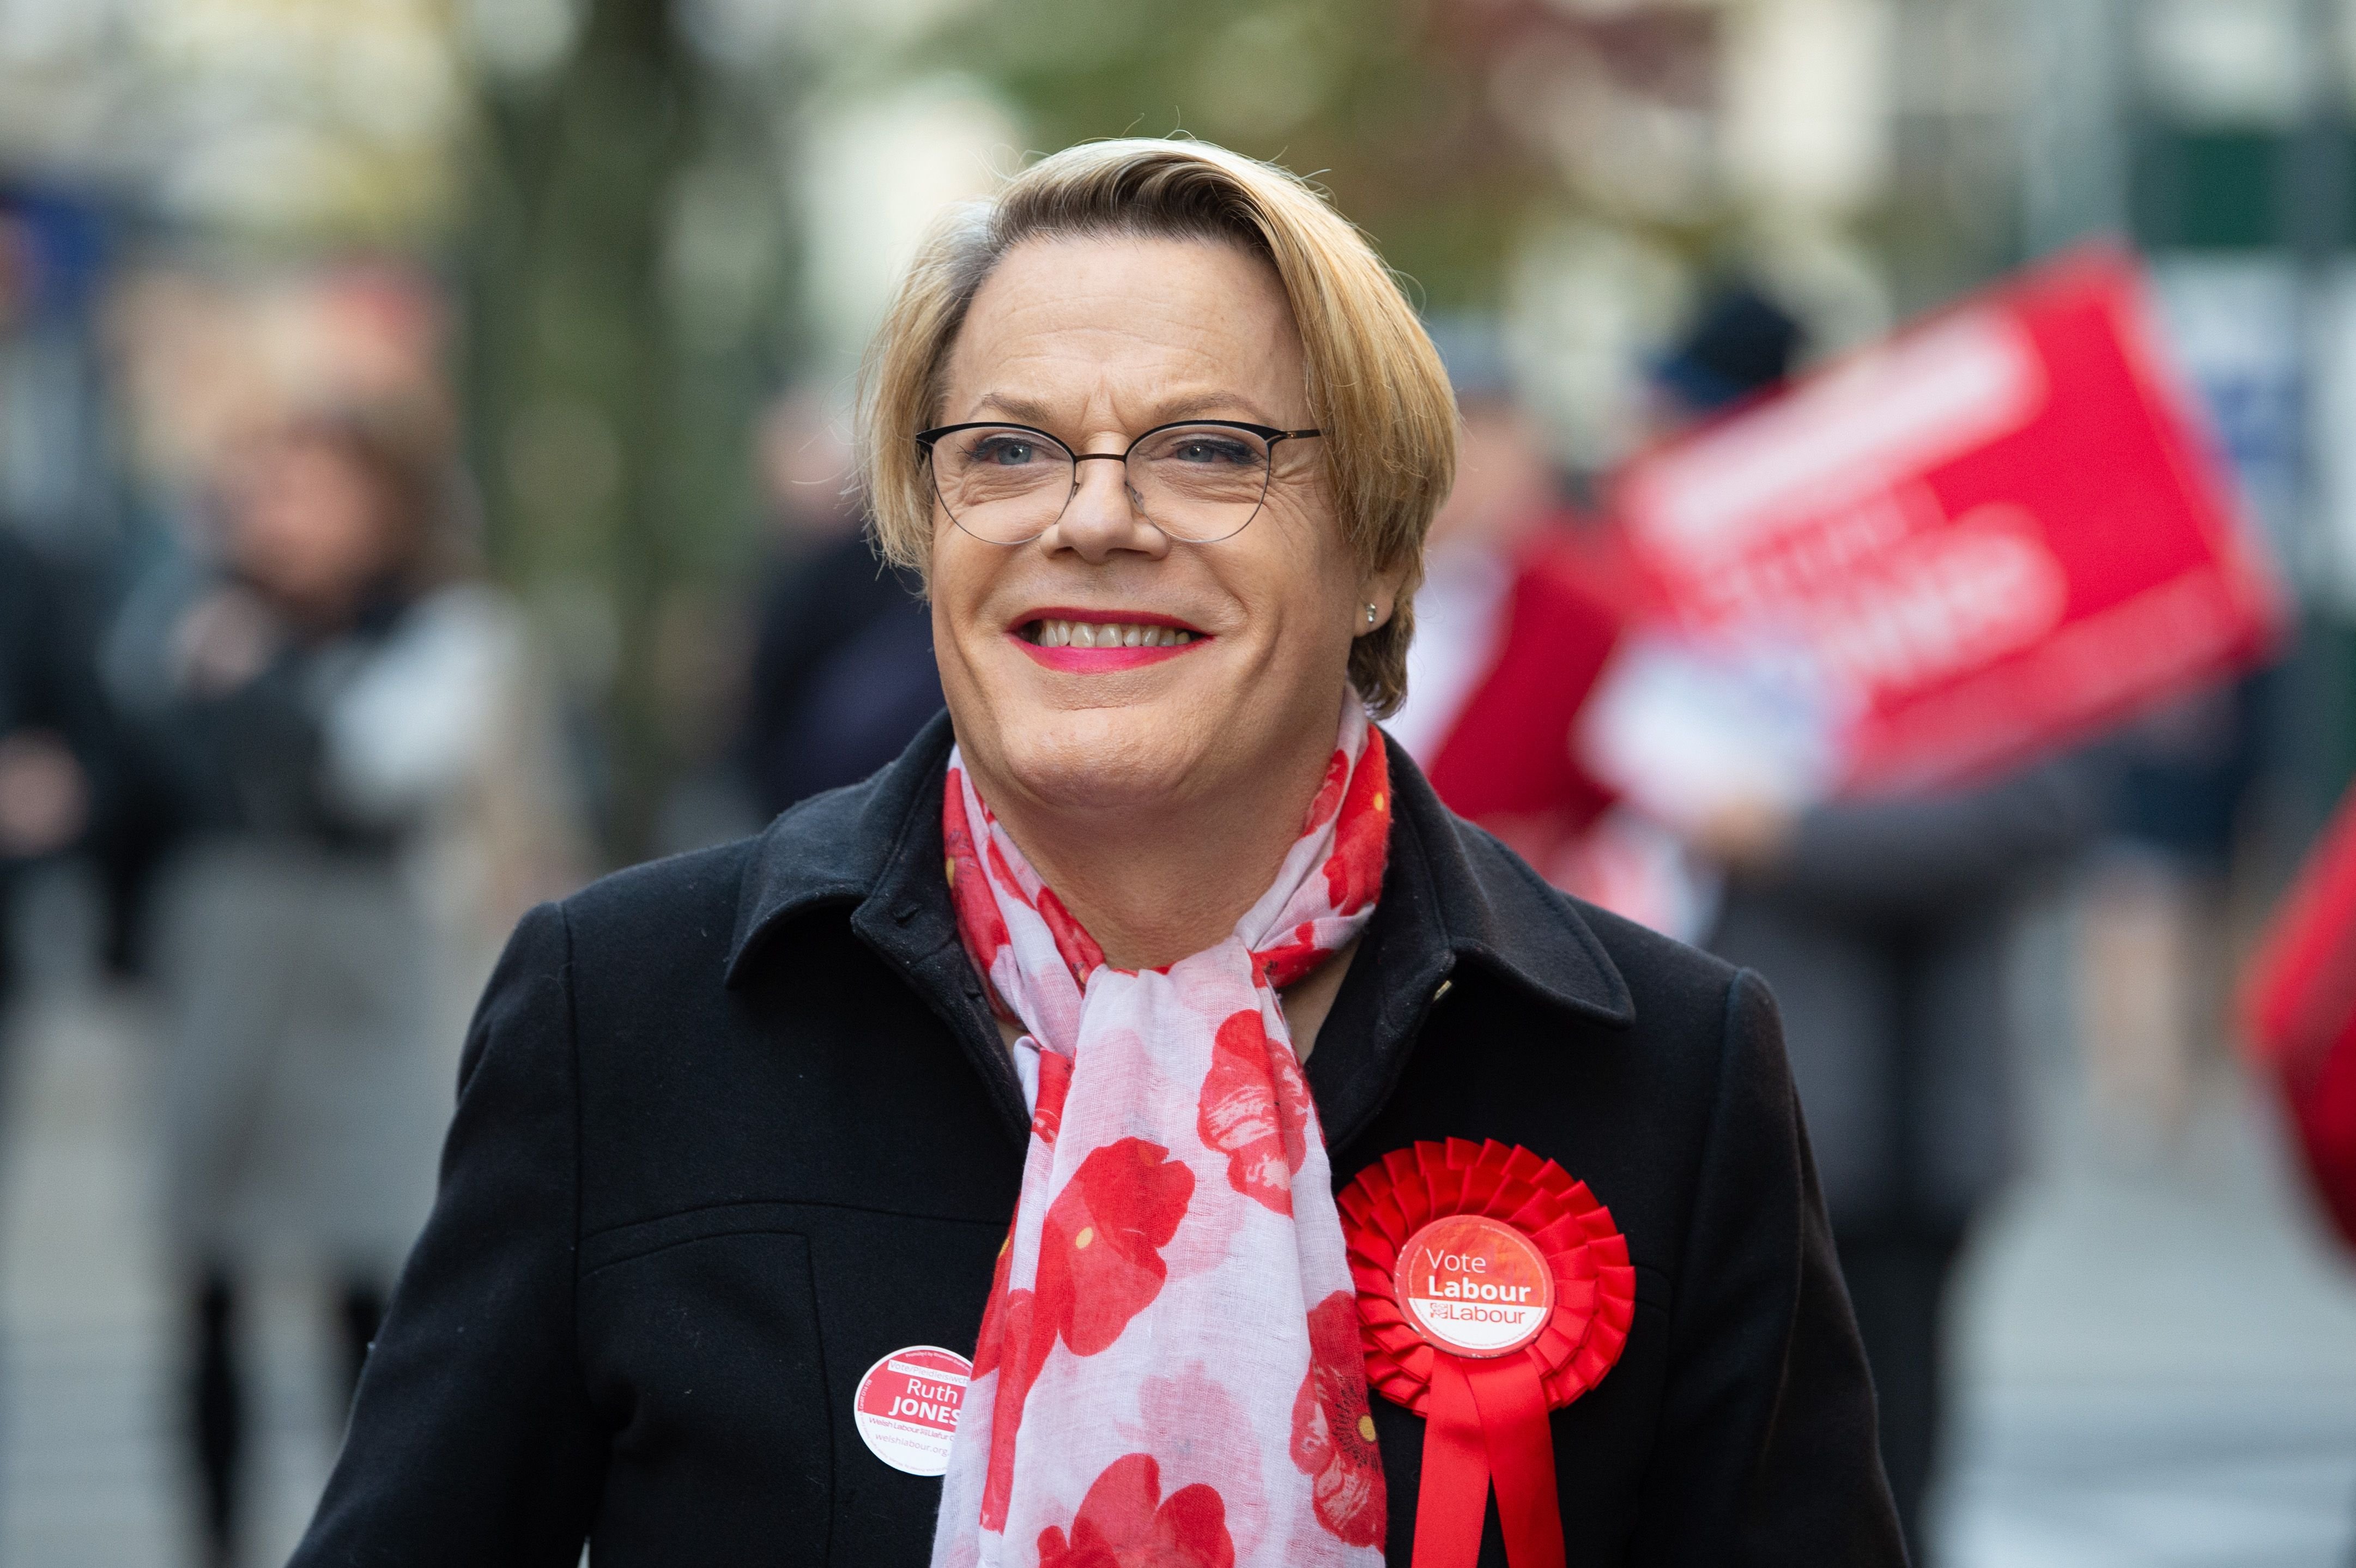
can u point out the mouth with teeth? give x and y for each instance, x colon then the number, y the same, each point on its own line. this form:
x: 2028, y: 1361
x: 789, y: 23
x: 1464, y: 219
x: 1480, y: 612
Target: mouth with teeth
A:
x: 1100, y: 641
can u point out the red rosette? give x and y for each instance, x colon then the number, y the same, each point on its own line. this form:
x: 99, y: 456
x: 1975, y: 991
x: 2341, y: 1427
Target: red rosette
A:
x: 1485, y: 1414
x: 1595, y: 1288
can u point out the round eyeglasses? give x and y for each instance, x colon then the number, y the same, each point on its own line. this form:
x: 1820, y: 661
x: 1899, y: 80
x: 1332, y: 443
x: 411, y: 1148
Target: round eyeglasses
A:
x: 1198, y: 480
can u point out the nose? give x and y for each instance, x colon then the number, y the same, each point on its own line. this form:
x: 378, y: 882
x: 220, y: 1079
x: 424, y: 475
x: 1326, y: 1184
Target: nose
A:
x: 1101, y: 520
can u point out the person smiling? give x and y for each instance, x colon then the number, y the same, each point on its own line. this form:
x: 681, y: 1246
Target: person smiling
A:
x: 1001, y: 1160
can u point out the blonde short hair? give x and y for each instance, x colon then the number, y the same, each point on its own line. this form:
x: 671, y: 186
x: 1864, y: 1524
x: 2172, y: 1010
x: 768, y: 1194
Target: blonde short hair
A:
x: 1376, y: 385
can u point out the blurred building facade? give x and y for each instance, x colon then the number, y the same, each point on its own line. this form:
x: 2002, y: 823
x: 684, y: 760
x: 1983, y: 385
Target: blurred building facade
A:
x: 645, y: 216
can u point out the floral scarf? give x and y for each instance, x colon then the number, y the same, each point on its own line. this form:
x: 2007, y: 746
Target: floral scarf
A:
x: 1169, y: 1368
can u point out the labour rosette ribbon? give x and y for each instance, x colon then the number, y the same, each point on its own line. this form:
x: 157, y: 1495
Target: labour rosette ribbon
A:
x: 1492, y: 1288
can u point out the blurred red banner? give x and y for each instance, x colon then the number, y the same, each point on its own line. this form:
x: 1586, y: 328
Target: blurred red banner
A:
x: 1983, y: 540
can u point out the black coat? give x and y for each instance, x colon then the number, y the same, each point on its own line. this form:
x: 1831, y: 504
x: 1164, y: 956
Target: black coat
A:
x: 734, y: 1126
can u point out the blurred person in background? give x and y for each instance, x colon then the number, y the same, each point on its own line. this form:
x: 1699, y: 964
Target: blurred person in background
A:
x: 2160, y: 946
x: 344, y: 712
x: 843, y: 675
x: 1883, y: 924
x: 52, y: 712
x: 52, y: 727
x: 1523, y: 600
x: 1508, y: 634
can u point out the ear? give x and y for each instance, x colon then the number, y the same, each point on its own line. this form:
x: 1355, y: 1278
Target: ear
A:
x: 1378, y: 591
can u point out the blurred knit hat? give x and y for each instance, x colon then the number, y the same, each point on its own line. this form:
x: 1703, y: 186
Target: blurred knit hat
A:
x: 1740, y: 343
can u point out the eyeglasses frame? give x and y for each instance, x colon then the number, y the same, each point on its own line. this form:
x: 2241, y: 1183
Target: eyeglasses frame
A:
x: 1269, y: 434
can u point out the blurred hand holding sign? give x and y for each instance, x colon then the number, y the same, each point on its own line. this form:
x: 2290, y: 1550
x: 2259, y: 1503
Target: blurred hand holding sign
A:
x: 1985, y: 539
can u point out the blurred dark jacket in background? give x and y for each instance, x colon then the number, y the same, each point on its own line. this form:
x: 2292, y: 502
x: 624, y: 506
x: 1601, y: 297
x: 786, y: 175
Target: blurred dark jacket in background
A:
x: 49, y: 695
x: 844, y: 674
x: 1884, y: 928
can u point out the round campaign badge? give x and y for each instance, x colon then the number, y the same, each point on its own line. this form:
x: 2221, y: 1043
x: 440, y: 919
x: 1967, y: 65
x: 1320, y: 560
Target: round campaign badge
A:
x: 907, y: 1407
x: 1475, y: 1286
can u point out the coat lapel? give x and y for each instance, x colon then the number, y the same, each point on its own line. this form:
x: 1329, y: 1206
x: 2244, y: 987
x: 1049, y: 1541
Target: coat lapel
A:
x: 1452, y: 896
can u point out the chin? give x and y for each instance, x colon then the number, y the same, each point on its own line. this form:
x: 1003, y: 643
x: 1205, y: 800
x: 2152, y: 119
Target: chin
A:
x: 1096, y: 758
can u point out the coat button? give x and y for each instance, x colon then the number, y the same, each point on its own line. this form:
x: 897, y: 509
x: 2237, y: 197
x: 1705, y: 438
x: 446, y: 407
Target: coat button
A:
x: 905, y: 913
x: 1445, y: 987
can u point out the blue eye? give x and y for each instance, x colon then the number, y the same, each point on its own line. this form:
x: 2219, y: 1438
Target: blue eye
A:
x: 1212, y: 450
x: 1005, y: 451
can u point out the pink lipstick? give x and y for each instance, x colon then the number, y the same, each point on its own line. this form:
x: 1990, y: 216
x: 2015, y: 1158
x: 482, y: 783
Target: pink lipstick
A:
x: 1094, y: 642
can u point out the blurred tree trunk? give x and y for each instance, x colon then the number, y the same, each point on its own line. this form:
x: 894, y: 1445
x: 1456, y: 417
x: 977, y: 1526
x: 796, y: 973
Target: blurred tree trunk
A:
x: 570, y: 352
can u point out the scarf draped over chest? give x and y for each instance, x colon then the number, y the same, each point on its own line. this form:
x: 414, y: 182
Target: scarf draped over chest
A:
x: 1169, y: 1369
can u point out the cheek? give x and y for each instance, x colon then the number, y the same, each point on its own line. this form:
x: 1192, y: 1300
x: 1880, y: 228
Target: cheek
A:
x: 962, y: 574
x: 953, y: 577
x: 1302, y: 569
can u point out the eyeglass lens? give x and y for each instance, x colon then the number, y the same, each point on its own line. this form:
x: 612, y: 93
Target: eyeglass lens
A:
x: 1199, y: 483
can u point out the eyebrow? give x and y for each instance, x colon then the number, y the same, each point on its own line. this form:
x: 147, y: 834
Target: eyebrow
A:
x: 1201, y: 406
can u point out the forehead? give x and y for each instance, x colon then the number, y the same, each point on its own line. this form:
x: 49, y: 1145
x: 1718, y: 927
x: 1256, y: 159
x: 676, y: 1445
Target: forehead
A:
x: 1172, y: 317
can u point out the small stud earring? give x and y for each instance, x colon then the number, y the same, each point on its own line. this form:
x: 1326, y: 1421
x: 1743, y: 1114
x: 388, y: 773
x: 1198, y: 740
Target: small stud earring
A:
x: 1370, y: 615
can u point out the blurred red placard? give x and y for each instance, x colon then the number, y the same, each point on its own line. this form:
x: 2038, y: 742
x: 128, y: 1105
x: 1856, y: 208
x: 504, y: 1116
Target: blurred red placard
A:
x: 1504, y: 762
x: 1983, y: 540
x: 2299, y: 1008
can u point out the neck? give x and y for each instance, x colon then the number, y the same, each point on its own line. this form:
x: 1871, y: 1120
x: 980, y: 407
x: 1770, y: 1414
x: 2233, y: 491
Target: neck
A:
x: 1157, y: 883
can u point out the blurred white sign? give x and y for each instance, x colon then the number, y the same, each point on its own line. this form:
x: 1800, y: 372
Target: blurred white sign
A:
x: 1689, y: 728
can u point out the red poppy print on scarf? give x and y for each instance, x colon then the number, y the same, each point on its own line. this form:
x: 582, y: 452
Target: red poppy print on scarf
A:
x: 1081, y: 954
x: 1100, y: 1248
x: 1362, y: 838
x: 1005, y: 876
x: 1253, y: 1109
x: 1024, y: 1351
x: 994, y: 1313
x: 1054, y: 1087
x: 1333, y: 1432
x: 978, y: 920
x: 1126, y: 1522
x: 1005, y: 1313
x: 1329, y: 793
x: 1099, y: 1266
x: 1287, y: 962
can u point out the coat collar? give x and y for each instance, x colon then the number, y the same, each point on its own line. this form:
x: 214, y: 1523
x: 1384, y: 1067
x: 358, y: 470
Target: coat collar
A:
x: 842, y: 846
x: 1452, y: 895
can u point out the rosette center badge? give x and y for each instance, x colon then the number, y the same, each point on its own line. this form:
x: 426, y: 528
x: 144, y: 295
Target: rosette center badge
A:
x: 1475, y: 1286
